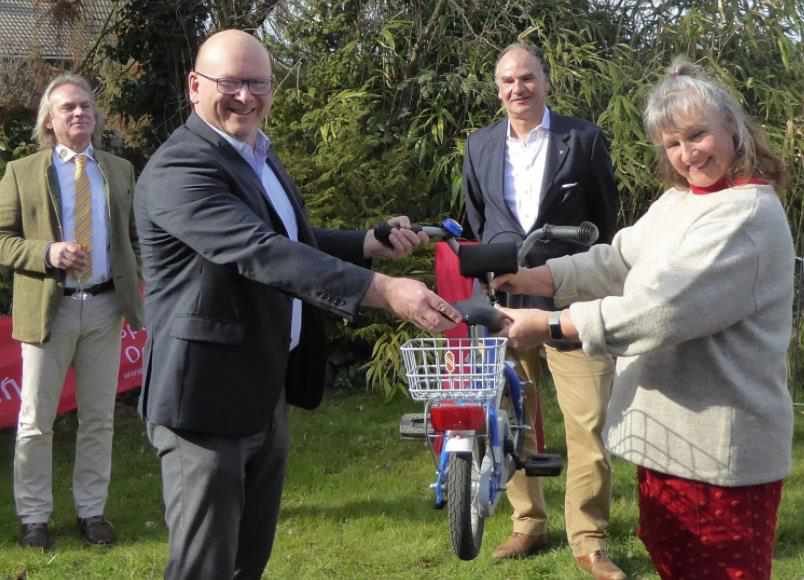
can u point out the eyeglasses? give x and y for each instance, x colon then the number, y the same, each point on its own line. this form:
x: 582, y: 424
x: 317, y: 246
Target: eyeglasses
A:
x: 256, y: 87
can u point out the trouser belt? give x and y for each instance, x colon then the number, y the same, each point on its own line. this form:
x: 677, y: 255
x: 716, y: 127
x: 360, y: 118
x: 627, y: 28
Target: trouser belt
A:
x: 93, y: 290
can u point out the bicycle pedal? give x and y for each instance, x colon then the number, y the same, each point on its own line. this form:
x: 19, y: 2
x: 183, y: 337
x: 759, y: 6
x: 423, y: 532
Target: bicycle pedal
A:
x: 411, y: 427
x: 543, y: 465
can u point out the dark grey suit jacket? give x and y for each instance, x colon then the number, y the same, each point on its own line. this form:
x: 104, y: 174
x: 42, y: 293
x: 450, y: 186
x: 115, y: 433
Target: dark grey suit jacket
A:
x: 220, y: 275
x: 577, y: 154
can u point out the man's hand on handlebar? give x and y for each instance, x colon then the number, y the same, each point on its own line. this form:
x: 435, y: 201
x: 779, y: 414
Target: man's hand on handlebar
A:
x: 531, y: 281
x: 412, y: 301
x: 402, y: 238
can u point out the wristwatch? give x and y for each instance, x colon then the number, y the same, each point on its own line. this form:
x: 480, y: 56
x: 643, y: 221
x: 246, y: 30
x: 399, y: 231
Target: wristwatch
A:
x: 554, y: 324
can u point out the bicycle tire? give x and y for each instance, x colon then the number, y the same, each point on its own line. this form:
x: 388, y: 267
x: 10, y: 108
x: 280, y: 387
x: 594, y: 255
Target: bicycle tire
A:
x: 466, y: 525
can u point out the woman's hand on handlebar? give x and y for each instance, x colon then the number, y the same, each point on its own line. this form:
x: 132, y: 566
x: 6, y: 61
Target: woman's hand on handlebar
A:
x: 526, y: 328
x: 531, y: 281
x: 403, y: 240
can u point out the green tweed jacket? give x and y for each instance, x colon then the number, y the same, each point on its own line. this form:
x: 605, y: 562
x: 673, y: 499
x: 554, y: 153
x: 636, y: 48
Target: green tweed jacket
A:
x: 30, y: 219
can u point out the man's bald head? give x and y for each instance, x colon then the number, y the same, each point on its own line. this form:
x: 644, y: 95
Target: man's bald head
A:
x: 232, y: 55
x: 229, y: 44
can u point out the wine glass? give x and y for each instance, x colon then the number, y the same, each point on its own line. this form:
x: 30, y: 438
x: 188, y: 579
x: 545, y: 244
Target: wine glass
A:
x: 81, y: 277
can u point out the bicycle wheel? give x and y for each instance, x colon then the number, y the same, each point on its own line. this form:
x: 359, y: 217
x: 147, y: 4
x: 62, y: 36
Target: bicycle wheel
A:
x: 466, y: 525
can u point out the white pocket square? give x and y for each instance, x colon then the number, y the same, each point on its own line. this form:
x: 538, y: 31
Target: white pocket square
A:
x: 568, y: 185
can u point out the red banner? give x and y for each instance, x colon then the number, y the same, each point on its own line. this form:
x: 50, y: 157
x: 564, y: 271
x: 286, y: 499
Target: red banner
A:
x: 11, y: 372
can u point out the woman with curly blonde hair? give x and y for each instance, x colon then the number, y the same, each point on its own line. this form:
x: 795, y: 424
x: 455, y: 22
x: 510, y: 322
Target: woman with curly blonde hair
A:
x: 695, y: 300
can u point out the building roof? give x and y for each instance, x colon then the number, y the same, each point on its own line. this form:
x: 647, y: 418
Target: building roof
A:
x: 30, y: 27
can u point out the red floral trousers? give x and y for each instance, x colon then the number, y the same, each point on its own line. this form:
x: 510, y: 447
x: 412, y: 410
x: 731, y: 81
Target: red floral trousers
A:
x: 697, y: 530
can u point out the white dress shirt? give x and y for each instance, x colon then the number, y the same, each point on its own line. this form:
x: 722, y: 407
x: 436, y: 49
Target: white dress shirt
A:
x: 64, y: 162
x: 523, y: 170
x: 278, y: 198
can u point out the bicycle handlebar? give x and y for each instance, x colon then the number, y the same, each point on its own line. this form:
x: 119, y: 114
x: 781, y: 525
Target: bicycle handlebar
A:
x: 482, y: 260
x: 486, y: 255
x: 584, y: 234
x: 448, y: 230
x: 501, y: 258
x: 478, y: 311
x: 382, y: 232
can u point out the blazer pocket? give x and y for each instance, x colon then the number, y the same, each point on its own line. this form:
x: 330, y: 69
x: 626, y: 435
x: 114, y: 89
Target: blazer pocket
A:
x: 567, y: 189
x: 189, y: 327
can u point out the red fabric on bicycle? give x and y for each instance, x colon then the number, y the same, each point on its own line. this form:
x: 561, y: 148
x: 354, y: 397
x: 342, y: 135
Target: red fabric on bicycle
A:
x: 450, y: 285
x: 698, y: 530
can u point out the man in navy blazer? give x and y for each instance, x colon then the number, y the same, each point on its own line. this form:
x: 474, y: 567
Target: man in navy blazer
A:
x: 235, y: 280
x: 531, y: 168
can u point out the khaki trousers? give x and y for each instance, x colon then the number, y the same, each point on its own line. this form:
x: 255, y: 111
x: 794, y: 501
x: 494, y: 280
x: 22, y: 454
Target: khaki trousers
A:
x: 87, y: 335
x: 583, y: 388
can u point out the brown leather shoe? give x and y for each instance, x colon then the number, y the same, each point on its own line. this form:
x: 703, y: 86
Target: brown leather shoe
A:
x: 35, y: 536
x: 599, y: 566
x: 519, y: 546
x: 96, y: 530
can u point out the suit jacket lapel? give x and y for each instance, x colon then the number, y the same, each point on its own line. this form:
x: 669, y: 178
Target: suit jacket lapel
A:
x: 558, y: 149
x: 258, y: 197
x: 54, y: 192
x: 254, y: 192
x: 497, y: 170
x: 305, y: 233
x: 108, y: 190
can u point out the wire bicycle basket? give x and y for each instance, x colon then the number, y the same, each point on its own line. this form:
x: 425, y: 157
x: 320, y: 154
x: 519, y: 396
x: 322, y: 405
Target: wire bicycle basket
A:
x: 454, y: 368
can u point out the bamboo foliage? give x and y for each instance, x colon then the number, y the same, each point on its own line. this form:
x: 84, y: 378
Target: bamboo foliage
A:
x: 422, y: 76
x: 375, y: 98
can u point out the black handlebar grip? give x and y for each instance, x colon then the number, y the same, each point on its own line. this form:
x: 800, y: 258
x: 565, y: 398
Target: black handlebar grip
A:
x: 479, y: 311
x: 586, y: 233
x: 479, y: 259
x: 382, y: 232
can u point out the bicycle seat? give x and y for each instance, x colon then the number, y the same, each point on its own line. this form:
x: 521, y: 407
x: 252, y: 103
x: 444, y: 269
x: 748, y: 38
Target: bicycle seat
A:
x: 477, y: 310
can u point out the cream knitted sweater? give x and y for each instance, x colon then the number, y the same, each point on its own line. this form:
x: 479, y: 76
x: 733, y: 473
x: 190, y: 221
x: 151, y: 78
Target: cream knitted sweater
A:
x: 695, y: 300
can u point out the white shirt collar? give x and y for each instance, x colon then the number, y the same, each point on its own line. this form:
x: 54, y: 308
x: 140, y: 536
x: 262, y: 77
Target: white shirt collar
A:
x: 260, y: 147
x: 64, y: 154
x: 545, y: 125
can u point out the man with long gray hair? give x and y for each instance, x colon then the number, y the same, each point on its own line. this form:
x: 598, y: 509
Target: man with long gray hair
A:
x: 67, y: 230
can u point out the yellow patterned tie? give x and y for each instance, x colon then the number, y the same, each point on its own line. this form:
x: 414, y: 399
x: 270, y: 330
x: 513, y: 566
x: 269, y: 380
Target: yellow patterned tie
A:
x: 83, y: 213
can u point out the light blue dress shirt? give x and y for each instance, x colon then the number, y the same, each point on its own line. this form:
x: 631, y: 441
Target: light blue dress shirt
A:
x: 64, y: 163
x: 277, y: 197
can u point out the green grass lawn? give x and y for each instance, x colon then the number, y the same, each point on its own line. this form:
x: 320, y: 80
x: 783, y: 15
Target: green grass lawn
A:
x: 356, y: 505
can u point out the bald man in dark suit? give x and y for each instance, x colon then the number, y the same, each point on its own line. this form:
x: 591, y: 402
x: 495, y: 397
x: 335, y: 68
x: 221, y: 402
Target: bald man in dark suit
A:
x: 235, y: 283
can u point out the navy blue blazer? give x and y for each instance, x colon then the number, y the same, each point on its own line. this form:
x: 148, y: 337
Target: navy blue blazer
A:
x: 578, y: 186
x: 220, y: 275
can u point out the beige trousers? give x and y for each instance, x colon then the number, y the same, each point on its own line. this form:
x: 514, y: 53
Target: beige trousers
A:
x: 87, y: 335
x: 583, y: 388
